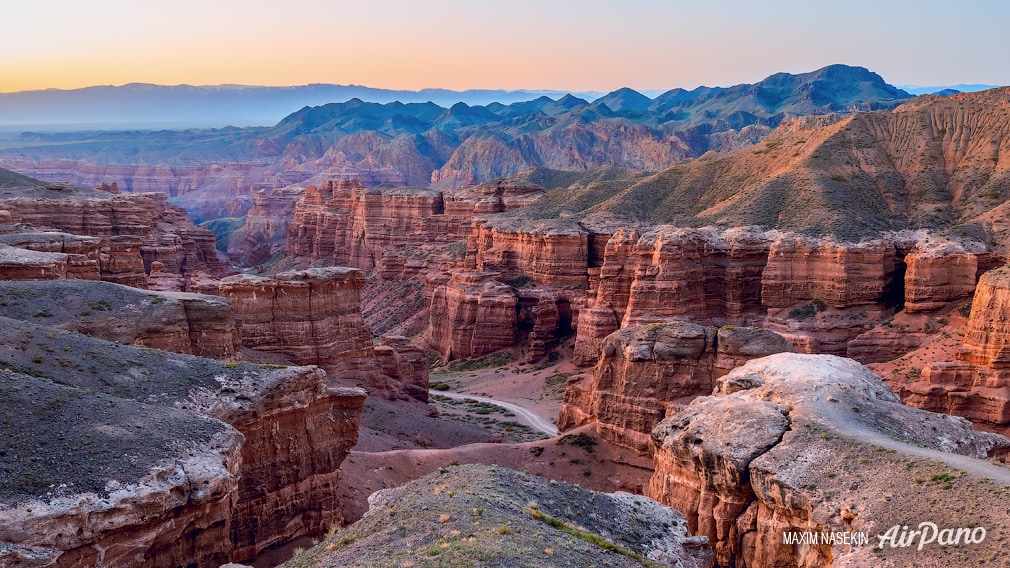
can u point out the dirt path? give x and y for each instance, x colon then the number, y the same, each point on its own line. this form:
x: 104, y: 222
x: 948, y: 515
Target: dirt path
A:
x: 529, y: 417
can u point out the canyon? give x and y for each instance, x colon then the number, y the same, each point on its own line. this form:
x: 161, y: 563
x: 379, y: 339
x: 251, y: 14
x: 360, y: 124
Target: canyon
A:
x: 215, y: 451
x: 706, y: 323
x: 216, y: 172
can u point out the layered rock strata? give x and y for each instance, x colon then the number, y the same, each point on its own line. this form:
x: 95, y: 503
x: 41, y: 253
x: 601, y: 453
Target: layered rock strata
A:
x: 56, y: 256
x: 471, y: 314
x: 181, y: 322
x: 266, y: 226
x: 313, y: 317
x: 552, y: 253
x: 819, y: 294
x: 977, y: 384
x: 351, y: 225
x: 128, y: 224
x: 405, y: 365
x: 165, y: 459
x: 776, y: 450
x: 649, y: 372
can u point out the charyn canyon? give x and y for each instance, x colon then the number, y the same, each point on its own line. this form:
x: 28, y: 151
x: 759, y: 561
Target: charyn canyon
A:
x: 757, y: 326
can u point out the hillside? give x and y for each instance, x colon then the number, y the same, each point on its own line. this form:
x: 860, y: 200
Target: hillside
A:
x: 940, y: 163
x: 474, y: 515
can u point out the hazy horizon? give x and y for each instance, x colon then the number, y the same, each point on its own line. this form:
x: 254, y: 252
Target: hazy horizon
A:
x: 566, y: 46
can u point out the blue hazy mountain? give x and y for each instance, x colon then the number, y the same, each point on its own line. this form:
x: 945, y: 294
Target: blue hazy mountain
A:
x: 141, y: 105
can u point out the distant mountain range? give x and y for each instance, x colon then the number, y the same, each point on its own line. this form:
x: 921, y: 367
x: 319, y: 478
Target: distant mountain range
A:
x: 146, y: 106
x: 945, y: 89
x: 935, y: 162
x: 425, y: 144
x: 142, y: 105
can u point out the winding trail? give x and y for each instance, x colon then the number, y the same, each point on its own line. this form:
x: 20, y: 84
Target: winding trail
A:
x: 529, y: 417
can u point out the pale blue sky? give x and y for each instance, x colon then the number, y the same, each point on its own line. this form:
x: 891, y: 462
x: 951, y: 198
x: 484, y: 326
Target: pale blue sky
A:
x: 561, y: 44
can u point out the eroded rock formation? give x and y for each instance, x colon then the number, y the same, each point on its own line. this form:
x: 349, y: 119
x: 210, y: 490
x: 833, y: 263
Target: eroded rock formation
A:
x: 646, y: 373
x: 778, y: 446
x: 181, y: 322
x: 977, y: 384
x: 472, y: 314
x: 313, y: 317
x: 135, y: 230
x: 221, y: 461
x: 351, y: 225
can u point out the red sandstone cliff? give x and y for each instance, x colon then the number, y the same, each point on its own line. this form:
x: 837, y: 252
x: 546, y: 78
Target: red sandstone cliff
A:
x: 472, y: 314
x: 311, y: 317
x: 177, y: 461
x: 819, y: 294
x: 646, y: 373
x: 351, y: 225
x: 776, y: 450
x: 314, y: 317
x: 135, y: 230
x: 976, y: 385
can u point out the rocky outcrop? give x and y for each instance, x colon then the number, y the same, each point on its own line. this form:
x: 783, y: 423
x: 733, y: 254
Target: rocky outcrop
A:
x: 405, y: 365
x: 122, y: 262
x: 537, y: 512
x: 22, y: 264
x: 819, y: 294
x: 977, y: 384
x: 266, y: 225
x: 181, y: 322
x: 65, y: 256
x: 221, y: 461
x: 311, y: 317
x: 471, y: 314
x: 128, y: 224
x: 351, y: 225
x: 84, y: 254
x: 297, y: 432
x: 936, y: 276
x: 550, y: 253
x: 646, y: 373
x: 778, y: 446
x: 840, y: 275
x: 546, y: 319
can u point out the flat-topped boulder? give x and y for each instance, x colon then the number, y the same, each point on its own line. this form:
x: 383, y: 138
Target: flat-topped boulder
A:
x: 794, y: 443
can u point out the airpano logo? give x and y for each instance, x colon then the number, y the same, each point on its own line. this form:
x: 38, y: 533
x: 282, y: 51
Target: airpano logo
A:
x: 899, y: 536
x: 929, y: 533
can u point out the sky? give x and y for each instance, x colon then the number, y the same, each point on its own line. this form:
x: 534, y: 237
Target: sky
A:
x: 585, y: 45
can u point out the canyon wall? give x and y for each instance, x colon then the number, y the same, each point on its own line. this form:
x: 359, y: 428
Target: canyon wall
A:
x: 133, y: 231
x: 977, y: 384
x: 819, y: 294
x: 646, y: 373
x: 471, y: 314
x: 222, y: 461
x: 313, y: 317
x: 775, y: 450
x: 351, y: 225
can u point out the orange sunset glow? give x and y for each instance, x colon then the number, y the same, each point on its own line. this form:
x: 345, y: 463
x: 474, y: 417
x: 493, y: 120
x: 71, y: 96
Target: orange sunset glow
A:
x: 462, y: 45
